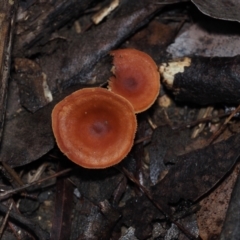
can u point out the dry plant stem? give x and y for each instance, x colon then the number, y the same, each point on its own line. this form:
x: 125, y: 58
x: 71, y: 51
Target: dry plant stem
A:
x: 223, y: 127
x: 142, y: 140
x: 5, y: 219
x: 151, y: 123
x: 24, y: 221
x: 149, y: 196
x: 7, y: 20
x: 104, y: 12
x: 8, y: 193
x: 203, y: 113
x: 38, y: 173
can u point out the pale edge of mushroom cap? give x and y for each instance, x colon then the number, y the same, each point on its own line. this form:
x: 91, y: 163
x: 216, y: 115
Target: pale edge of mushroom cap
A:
x: 170, y: 69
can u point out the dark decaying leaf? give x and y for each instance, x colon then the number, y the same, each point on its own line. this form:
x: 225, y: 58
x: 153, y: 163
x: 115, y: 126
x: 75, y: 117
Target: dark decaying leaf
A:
x: 197, y: 172
x: 32, y: 83
x: 93, y: 221
x: 231, y: 227
x: 165, y: 145
x: 62, y: 218
x: 96, y: 185
x: 204, y: 80
x: 140, y: 213
x: 213, y: 207
x: 7, y: 19
x: 28, y: 136
x: 222, y: 9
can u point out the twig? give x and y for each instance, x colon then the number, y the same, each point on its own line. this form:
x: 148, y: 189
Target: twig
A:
x: 8, y: 193
x: 13, y: 177
x: 7, y: 21
x: 28, y: 223
x: 140, y: 140
x: 5, y: 219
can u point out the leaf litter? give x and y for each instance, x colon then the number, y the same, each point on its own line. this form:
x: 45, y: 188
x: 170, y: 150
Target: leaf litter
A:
x: 171, y: 179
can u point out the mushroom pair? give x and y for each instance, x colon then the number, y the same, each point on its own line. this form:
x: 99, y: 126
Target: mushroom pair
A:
x: 95, y: 127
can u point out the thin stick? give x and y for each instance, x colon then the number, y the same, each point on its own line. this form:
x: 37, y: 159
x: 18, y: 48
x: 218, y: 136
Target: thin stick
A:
x: 6, y: 194
x: 28, y: 223
x: 5, y: 219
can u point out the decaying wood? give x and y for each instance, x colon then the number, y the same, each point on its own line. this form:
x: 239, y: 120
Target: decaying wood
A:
x: 203, y: 80
x: 35, y: 23
x: 7, y: 19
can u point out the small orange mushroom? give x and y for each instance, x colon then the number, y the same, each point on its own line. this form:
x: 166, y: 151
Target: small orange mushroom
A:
x: 94, y: 128
x: 136, y: 78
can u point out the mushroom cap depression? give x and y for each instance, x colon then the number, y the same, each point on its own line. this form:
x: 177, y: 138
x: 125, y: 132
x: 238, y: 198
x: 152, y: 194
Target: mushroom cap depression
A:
x: 136, y: 78
x: 94, y: 128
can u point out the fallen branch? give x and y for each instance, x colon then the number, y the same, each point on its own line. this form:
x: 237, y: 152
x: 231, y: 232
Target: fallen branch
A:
x: 203, y: 80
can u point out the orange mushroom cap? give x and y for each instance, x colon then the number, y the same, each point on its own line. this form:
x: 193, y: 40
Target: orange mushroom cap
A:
x: 136, y: 78
x: 94, y: 128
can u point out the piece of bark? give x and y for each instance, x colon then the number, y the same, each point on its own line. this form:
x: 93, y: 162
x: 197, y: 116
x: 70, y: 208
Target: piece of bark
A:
x: 32, y: 82
x: 203, y: 80
x: 37, y: 22
x: 7, y: 20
